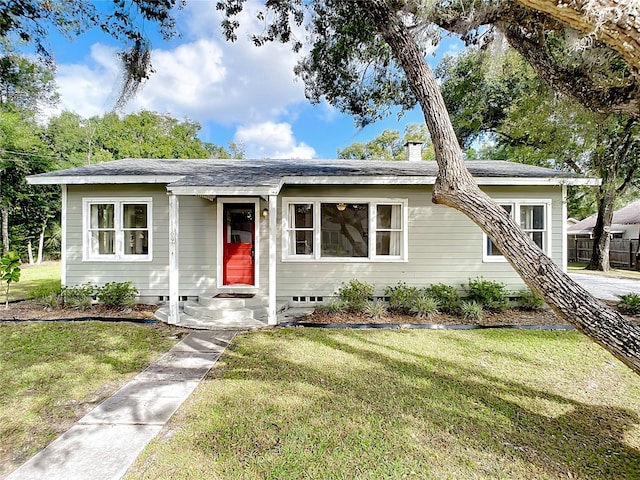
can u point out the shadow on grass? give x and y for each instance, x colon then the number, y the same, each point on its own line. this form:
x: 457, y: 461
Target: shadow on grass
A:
x: 456, y: 408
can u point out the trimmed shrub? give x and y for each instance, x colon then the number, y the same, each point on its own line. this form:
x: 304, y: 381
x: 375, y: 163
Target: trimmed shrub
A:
x: 355, y: 294
x: 401, y: 297
x: 447, y: 296
x: 47, y: 296
x: 375, y: 309
x: 118, y: 294
x: 78, y: 296
x: 331, y: 308
x: 491, y: 295
x: 471, y: 310
x: 425, y: 307
x: 629, y: 304
x: 530, y: 300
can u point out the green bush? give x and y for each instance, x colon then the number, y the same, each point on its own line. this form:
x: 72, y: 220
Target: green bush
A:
x: 530, y: 300
x: 491, y: 295
x: 78, y: 296
x: 425, y: 307
x: 471, y: 310
x: 375, y: 309
x: 447, y: 296
x: 331, y: 308
x: 47, y: 296
x: 629, y: 304
x: 355, y: 294
x: 401, y: 297
x: 118, y: 294
x: 9, y: 272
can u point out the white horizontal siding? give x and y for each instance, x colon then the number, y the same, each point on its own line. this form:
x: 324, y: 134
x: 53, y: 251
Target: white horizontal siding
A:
x: 444, y: 245
x: 151, y: 278
x: 198, y: 243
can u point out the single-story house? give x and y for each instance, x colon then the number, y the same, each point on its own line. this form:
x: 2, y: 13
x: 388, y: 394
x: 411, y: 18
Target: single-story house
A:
x: 201, y: 234
x: 625, y: 224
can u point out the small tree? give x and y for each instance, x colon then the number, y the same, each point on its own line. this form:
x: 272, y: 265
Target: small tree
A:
x: 9, y: 272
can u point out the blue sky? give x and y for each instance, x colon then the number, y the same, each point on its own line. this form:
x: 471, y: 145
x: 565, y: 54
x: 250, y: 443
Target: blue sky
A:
x: 236, y: 91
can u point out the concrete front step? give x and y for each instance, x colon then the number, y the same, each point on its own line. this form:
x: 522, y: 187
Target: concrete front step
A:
x: 190, y: 321
x: 195, y: 309
x: 215, y: 312
x: 224, y: 302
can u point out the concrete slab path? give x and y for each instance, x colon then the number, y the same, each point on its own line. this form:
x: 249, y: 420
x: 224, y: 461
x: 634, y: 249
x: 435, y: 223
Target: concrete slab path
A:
x: 606, y: 288
x: 105, y: 442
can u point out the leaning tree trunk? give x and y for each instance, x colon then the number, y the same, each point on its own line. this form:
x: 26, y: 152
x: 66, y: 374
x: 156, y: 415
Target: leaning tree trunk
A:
x: 456, y: 188
x: 609, y: 166
x: 601, y: 230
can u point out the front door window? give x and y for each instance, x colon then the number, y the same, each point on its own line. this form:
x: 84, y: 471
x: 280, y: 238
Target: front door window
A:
x: 239, y: 244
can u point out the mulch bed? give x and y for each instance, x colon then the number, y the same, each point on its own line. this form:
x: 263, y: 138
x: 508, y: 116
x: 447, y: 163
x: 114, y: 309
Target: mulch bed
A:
x: 515, y: 316
x: 510, y: 317
x: 29, y: 310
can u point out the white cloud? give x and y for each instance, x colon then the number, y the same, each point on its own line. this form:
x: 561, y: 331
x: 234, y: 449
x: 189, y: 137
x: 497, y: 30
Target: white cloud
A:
x: 272, y: 140
x: 206, y: 78
x: 89, y: 88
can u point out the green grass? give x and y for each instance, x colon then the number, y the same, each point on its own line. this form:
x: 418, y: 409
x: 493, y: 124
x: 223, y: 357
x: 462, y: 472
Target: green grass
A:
x: 32, y: 278
x: 613, y: 273
x: 53, y: 373
x: 341, y: 404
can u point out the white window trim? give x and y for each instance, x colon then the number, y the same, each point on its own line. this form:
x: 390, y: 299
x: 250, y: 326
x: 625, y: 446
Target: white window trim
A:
x: 516, y: 204
x: 119, y: 256
x: 372, y: 203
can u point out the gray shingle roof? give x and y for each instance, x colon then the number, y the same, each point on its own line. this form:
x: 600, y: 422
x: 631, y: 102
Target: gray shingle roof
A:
x: 628, y: 215
x: 226, y: 173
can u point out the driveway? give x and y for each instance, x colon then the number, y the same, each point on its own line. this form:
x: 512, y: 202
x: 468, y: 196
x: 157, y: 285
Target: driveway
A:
x: 606, y: 288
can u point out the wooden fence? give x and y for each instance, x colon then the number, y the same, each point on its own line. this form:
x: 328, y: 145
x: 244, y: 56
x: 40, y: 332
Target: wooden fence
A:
x: 622, y: 253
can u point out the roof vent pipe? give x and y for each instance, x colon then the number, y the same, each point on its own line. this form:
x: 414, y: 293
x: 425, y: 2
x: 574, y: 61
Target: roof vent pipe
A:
x: 414, y: 151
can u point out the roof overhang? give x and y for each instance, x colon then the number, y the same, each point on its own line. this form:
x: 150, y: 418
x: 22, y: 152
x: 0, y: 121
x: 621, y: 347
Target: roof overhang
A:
x: 296, y: 180
x: 102, y: 179
x: 206, y: 191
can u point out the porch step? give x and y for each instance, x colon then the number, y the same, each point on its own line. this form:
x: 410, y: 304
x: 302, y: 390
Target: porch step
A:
x: 190, y: 321
x: 210, y: 312
x: 221, y: 312
x: 195, y: 309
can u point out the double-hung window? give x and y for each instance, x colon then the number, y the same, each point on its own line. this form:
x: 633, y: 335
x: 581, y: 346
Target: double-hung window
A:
x: 534, y: 217
x: 117, y: 230
x: 354, y: 230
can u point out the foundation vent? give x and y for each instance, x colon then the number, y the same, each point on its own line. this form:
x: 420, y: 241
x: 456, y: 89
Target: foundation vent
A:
x: 310, y: 299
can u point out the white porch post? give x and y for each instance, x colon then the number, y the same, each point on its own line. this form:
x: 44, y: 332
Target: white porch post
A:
x: 63, y: 244
x: 273, y: 216
x: 174, y: 271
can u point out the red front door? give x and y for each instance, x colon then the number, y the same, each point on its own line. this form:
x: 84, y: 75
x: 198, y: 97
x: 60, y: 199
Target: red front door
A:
x: 238, y: 244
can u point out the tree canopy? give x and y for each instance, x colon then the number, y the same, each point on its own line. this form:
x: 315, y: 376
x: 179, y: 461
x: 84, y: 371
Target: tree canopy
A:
x: 390, y: 145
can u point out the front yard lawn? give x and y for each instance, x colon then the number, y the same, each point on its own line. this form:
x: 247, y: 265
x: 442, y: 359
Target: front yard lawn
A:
x: 33, y: 277
x: 343, y: 404
x: 53, y: 373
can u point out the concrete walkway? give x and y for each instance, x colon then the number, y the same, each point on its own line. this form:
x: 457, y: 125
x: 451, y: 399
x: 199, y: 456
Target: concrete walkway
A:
x: 105, y: 442
x: 606, y: 288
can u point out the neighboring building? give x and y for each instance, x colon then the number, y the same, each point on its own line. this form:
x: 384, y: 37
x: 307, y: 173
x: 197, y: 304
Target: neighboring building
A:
x: 287, y: 231
x: 625, y: 224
